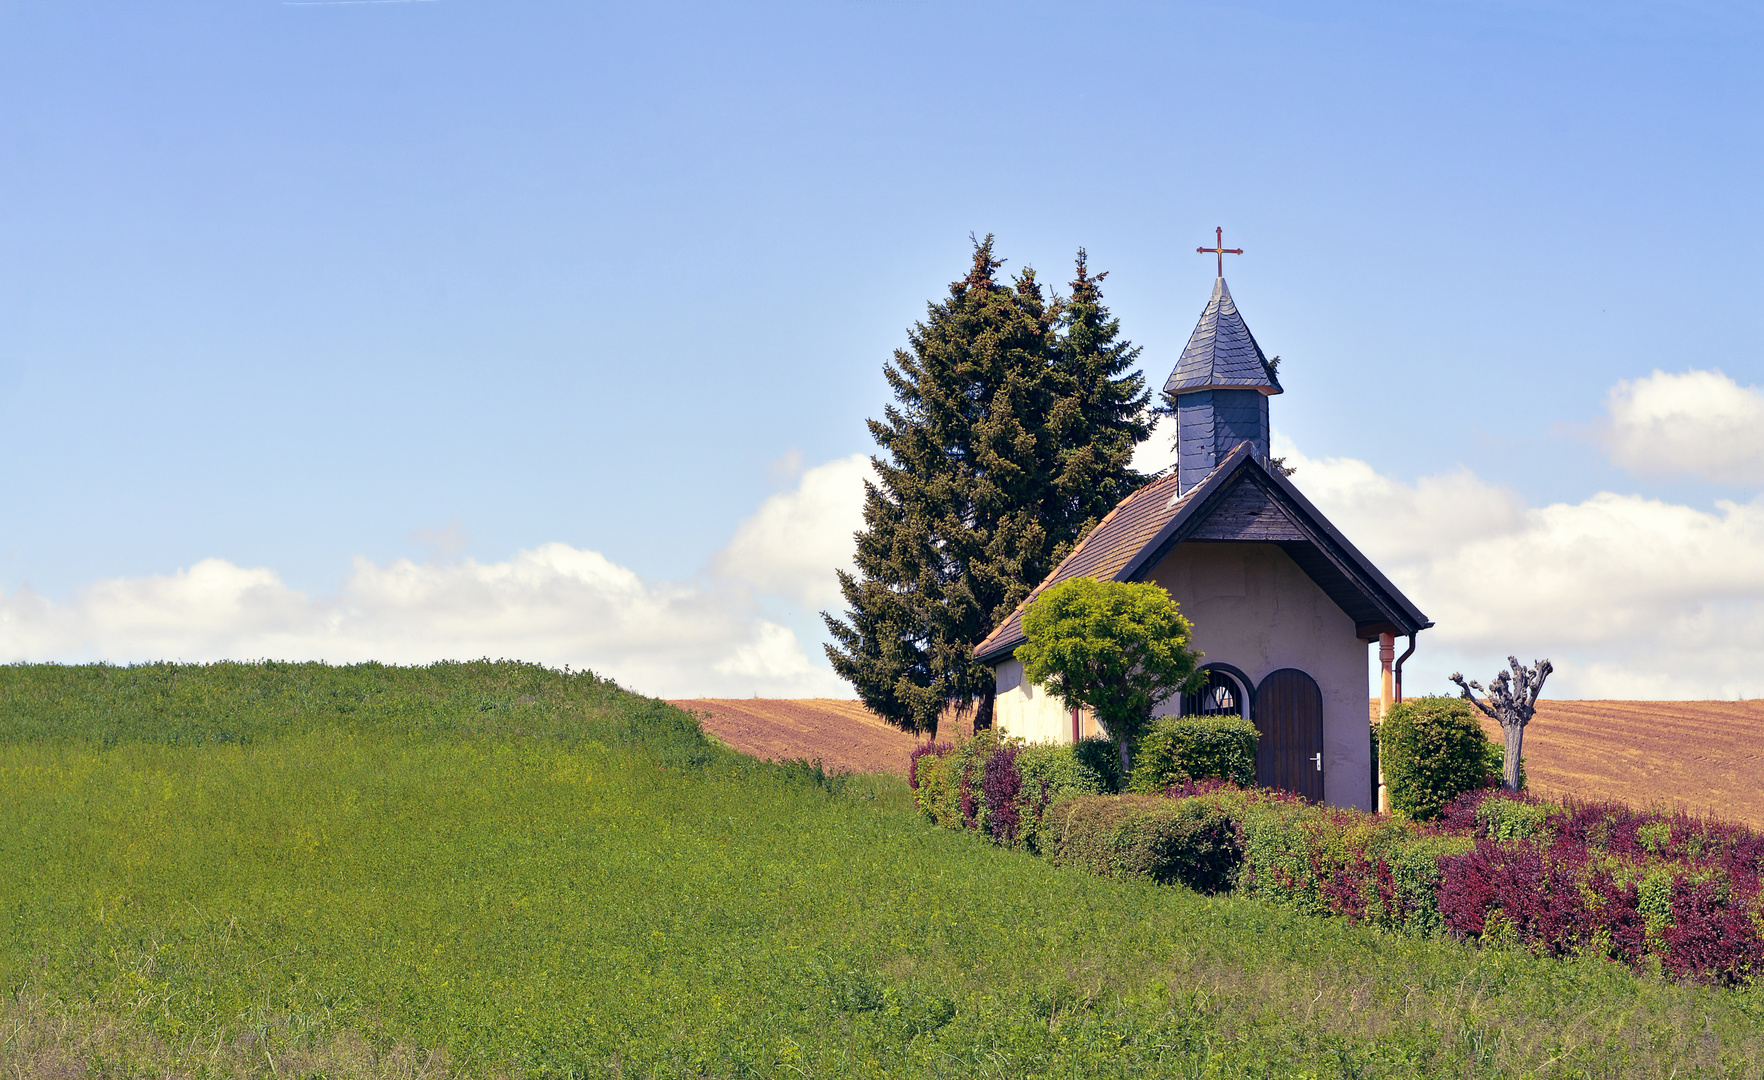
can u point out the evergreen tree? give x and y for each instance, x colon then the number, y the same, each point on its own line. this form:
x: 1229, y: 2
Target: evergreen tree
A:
x: 1099, y: 416
x: 1004, y: 442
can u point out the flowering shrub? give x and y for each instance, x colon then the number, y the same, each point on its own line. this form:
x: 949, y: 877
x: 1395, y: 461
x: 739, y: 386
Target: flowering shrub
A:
x: 1323, y: 861
x: 947, y: 781
x: 999, y: 788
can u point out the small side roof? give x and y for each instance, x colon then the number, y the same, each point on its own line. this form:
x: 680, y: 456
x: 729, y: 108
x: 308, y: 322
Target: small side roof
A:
x: 1222, y: 353
x: 1242, y: 499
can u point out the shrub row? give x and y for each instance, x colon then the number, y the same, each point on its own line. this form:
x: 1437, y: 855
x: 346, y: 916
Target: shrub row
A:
x: 1185, y: 841
x: 1641, y: 886
x: 1644, y: 887
x: 1004, y: 788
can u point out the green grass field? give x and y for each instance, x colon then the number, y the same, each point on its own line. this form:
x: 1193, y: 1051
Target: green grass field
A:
x: 496, y: 869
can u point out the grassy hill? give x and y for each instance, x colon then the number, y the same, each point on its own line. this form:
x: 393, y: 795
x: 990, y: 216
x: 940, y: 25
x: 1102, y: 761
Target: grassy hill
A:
x: 496, y: 869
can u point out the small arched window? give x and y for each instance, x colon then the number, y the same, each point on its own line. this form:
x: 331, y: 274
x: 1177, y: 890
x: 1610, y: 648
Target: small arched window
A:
x: 1223, y: 695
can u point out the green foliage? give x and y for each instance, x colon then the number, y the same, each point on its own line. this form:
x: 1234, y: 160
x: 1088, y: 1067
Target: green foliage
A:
x: 1050, y: 773
x: 1186, y: 841
x: 420, y: 871
x: 1318, y: 860
x: 1098, y: 754
x: 1180, y: 748
x: 1432, y: 750
x: 1511, y: 819
x: 1117, y: 648
x: 1011, y: 433
x: 947, y: 785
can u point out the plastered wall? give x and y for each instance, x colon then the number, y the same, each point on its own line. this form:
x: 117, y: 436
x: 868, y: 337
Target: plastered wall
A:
x: 1026, y: 711
x: 1253, y: 608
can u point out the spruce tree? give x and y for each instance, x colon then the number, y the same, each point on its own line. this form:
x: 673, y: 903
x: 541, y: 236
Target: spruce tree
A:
x: 1099, y: 415
x: 1004, y: 442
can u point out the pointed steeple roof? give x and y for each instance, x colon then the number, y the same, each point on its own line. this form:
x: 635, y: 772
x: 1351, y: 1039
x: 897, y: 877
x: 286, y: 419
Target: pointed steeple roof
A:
x: 1222, y: 352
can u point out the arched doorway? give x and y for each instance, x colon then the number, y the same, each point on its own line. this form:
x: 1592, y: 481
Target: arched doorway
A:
x: 1228, y: 691
x: 1289, y: 716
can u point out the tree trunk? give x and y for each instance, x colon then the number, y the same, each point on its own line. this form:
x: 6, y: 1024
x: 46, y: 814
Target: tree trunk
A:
x: 1126, y: 762
x: 1515, y: 738
x: 983, y: 711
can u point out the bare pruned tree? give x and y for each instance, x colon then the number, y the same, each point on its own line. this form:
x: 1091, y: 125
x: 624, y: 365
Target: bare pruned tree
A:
x: 1511, y: 699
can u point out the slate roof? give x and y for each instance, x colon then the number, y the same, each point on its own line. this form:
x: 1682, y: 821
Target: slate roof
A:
x: 1222, y: 352
x: 1136, y: 535
x: 1103, y: 552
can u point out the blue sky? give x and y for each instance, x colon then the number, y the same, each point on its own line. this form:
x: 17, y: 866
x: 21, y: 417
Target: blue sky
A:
x: 300, y: 289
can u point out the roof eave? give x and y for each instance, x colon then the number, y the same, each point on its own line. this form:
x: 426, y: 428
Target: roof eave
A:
x: 1269, y: 389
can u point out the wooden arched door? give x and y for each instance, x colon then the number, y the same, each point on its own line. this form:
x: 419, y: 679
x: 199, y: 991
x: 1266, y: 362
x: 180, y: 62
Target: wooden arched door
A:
x: 1289, y: 716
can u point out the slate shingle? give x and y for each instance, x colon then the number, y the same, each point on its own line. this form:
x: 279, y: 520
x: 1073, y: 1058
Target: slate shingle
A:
x: 1221, y: 352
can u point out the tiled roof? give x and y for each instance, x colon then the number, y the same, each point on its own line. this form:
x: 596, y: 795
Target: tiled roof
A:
x: 1143, y: 527
x: 1221, y: 352
x: 1103, y: 553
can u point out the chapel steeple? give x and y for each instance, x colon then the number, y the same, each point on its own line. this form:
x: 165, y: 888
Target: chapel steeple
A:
x: 1219, y: 390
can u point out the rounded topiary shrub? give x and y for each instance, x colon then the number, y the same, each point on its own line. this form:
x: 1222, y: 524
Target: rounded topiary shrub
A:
x: 1432, y: 750
x: 1177, y: 749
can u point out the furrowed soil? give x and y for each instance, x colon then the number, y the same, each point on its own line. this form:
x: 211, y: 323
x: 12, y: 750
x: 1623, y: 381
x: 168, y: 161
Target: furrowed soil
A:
x: 1704, y: 756
x: 843, y: 735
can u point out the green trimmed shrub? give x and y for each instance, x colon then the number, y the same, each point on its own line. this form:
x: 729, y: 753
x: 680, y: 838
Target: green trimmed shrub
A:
x: 1181, y: 748
x: 1433, y: 750
x: 1319, y: 860
x: 1188, y: 841
x: 1098, y: 755
x: 1050, y: 772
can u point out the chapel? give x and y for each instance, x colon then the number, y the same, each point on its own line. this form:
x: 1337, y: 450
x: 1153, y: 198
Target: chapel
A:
x: 1283, y: 606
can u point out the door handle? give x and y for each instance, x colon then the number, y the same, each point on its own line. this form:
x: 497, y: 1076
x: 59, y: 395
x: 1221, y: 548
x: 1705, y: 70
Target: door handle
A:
x: 1318, y: 758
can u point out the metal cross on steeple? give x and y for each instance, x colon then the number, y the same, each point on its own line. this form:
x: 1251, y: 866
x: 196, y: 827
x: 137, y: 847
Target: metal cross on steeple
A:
x: 1219, y: 249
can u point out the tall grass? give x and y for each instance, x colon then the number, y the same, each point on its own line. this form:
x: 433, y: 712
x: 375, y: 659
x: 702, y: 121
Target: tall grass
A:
x: 497, y: 869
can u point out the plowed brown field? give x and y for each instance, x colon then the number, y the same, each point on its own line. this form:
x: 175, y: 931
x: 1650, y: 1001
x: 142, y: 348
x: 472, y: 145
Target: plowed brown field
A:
x: 1706, y: 756
x: 842, y: 734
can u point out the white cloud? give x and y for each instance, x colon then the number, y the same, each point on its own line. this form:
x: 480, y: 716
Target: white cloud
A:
x: 1700, y: 423
x: 1158, y: 452
x: 1631, y: 597
x: 792, y: 545
x: 554, y: 604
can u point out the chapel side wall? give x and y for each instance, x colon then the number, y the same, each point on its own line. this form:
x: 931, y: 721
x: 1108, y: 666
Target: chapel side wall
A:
x: 1026, y: 711
x: 1253, y: 608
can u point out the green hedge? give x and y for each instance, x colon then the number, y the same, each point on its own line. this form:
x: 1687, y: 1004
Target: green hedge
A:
x: 1187, y: 841
x: 1271, y: 845
x: 1320, y: 860
x: 1432, y: 750
x: 1177, y: 749
x: 1049, y: 773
